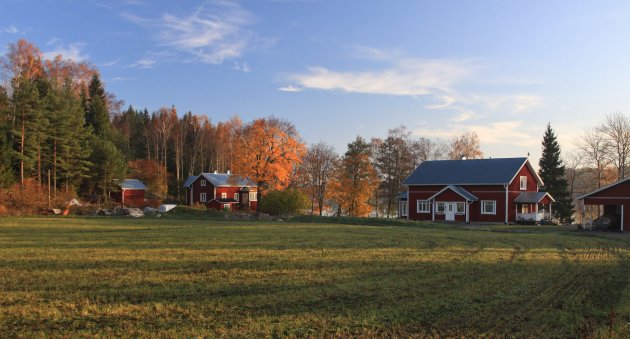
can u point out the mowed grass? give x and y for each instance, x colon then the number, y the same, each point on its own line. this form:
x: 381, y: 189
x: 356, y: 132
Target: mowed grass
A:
x: 188, y: 278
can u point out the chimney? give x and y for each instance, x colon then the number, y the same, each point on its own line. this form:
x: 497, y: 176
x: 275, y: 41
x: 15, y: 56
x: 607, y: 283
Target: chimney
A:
x: 228, y: 171
x: 463, y: 157
x: 215, y: 171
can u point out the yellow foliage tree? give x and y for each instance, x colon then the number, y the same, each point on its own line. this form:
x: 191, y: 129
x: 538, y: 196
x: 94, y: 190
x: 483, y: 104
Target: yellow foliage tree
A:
x: 355, y: 181
x: 268, y: 151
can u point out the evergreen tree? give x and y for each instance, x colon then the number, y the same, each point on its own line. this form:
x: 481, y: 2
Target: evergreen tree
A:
x: 97, y: 114
x: 552, y: 172
x: 28, y: 124
x: 6, y: 173
x: 68, y: 138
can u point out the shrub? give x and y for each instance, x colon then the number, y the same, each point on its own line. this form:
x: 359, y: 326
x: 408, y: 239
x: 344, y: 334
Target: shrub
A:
x: 30, y: 199
x: 287, y: 202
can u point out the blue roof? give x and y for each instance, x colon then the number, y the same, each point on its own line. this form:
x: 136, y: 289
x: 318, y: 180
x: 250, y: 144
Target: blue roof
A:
x: 466, y: 172
x: 402, y: 195
x: 532, y: 197
x: 132, y: 184
x: 190, y: 180
x: 222, y: 180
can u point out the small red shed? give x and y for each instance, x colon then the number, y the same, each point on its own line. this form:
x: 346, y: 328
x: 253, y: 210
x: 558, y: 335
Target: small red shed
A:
x: 616, y: 201
x: 131, y: 193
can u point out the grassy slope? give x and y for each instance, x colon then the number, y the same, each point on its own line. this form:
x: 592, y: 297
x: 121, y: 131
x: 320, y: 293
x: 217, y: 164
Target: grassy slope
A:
x: 193, y: 277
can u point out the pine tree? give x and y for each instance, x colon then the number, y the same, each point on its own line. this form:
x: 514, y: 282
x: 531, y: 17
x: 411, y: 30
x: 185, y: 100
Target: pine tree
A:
x: 6, y: 173
x: 97, y: 115
x: 552, y: 173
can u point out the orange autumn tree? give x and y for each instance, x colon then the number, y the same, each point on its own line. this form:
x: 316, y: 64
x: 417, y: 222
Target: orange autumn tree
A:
x: 267, y: 151
x: 355, y: 181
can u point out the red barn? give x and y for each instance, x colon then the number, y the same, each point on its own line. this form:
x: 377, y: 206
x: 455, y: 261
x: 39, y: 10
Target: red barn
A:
x: 616, y: 201
x: 221, y: 191
x: 131, y: 193
x: 486, y: 190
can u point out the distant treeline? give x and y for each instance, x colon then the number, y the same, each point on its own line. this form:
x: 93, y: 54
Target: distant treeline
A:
x: 58, y: 124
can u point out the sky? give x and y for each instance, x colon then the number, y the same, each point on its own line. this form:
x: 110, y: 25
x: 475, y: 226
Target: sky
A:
x: 338, y: 69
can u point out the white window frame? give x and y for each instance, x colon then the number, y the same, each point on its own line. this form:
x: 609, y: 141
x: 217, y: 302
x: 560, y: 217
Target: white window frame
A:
x: 223, y: 195
x: 253, y: 196
x: 523, y: 183
x: 457, y: 205
x: 494, y: 207
x: 440, y: 207
x: 236, y: 196
x: 425, y: 204
x: 203, y: 197
x: 203, y: 183
x: 226, y: 206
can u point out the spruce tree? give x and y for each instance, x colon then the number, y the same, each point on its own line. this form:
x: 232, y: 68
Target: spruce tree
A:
x: 553, y: 174
x: 6, y: 173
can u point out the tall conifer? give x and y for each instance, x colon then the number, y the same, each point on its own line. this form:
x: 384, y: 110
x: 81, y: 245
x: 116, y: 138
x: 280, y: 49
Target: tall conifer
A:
x: 553, y: 174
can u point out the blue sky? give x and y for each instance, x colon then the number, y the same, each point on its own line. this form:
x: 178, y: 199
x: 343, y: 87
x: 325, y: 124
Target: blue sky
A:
x: 340, y: 68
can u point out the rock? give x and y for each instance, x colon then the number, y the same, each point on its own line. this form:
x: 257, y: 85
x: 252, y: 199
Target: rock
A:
x: 148, y: 211
x: 134, y: 212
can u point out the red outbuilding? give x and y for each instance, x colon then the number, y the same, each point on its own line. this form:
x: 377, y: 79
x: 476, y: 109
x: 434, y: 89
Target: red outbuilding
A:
x: 221, y: 191
x: 131, y: 193
x: 616, y: 201
x: 487, y: 190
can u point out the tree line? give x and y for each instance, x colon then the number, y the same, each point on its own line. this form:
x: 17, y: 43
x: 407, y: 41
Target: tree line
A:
x: 60, y: 128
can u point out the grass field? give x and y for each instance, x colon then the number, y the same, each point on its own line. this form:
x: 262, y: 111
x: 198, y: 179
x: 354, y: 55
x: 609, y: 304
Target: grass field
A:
x: 159, y: 277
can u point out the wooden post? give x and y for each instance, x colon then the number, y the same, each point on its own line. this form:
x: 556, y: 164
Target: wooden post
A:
x: 49, y: 189
x: 622, y: 218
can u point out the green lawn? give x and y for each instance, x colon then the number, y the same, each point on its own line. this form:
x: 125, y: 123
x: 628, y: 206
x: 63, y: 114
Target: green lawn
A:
x: 148, y: 277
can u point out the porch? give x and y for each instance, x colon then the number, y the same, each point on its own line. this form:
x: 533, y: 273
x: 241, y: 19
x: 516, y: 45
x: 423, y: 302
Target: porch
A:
x: 533, y: 206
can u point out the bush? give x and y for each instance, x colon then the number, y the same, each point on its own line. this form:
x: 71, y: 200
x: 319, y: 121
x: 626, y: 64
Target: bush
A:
x: 31, y: 199
x: 287, y: 202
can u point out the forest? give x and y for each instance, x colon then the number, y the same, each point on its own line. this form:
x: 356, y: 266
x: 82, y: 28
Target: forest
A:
x: 63, y: 135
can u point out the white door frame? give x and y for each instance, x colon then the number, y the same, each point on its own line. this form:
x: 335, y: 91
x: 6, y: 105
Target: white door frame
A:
x: 449, y: 211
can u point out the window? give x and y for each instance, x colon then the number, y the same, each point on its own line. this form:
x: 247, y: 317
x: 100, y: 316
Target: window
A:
x: 203, y: 183
x: 460, y: 208
x: 488, y: 207
x: 223, y: 195
x: 226, y: 206
x: 202, y: 197
x: 423, y: 206
x: 523, y: 183
x: 236, y: 196
x: 439, y: 208
x: 253, y: 196
x: 403, y: 208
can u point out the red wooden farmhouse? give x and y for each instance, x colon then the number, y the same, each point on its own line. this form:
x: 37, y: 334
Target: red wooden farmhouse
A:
x: 221, y: 191
x: 131, y: 193
x: 616, y: 201
x: 486, y: 190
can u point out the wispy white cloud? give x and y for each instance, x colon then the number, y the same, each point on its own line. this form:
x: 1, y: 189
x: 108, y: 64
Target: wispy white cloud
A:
x: 216, y: 31
x: 289, y: 88
x: 120, y: 79
x: 150, y: 59
x: 110, y: 63
x: 509, y: 132
x: 242, y: 66
x: 514, y: 103
x: 73, y: 51
x: 409, y: 77
x: 11, y: 30
x: 145, y: 62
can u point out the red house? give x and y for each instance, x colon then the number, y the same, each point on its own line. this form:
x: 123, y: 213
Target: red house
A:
x: 131, y: 193
x: 615, y: 199
x: 480, y: 190
x: 221, y: 191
